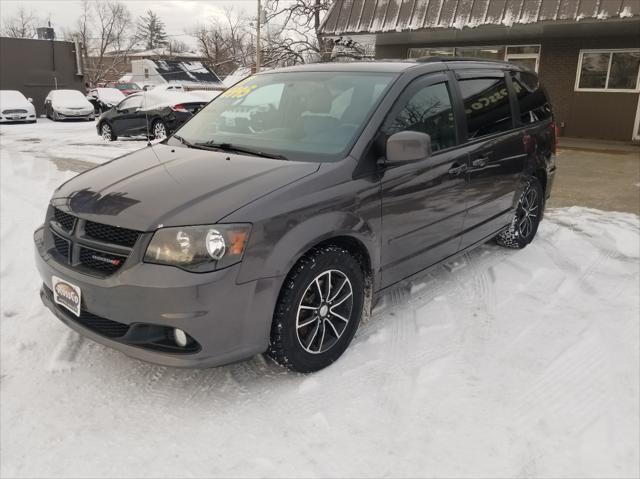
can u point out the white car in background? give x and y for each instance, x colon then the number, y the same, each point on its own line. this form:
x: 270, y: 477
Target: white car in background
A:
x: 15, y: 107
x: 68, y: 104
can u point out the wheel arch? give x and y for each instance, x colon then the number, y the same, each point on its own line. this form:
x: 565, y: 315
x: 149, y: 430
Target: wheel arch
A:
x: 338, y: 228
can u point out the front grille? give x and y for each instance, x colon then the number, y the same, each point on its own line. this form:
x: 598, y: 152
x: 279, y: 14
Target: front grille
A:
x: 111, y: 234
x: 71, y: 243
x: 100, y: 261
x: 63, y: 246
x: 98, y: 324
x: 65, y: 220
x: 14, y: 112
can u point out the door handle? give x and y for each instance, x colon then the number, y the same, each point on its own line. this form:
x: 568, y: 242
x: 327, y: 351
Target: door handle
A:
x: 456, y: 170
x: 480, y: 162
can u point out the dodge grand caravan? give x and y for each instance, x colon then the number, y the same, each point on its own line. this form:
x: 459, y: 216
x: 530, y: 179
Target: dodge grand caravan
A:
x: 269, y: 220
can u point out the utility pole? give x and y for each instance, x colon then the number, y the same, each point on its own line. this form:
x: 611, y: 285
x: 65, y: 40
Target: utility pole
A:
x: 258, y: 37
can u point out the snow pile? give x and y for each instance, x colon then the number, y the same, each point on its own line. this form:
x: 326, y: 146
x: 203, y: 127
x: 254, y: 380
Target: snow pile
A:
x: 626, y: 12
x: 501, y: 364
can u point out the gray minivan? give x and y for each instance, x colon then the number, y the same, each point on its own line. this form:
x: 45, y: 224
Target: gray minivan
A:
x: 270, y: 220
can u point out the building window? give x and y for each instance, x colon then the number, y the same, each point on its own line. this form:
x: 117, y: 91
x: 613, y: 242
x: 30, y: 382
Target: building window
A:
x: 526, y: 56
x: 431, y: 52
x: 608, y: 70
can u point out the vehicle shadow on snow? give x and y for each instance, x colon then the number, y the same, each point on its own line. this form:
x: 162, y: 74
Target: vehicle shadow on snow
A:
x: 444, y: 280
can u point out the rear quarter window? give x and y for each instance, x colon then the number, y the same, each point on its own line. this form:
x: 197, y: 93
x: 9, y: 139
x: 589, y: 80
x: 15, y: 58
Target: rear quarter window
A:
x: 532, y: 100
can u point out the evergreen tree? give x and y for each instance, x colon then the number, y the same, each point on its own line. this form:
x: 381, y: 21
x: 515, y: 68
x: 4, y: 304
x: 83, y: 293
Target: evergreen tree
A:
x: 151, y: 30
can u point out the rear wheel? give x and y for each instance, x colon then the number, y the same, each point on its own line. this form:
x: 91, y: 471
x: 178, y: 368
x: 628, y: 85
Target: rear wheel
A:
x: 528, y: 214
x: 159, y: 130
x: 318, y: 310
x: 107, y: 132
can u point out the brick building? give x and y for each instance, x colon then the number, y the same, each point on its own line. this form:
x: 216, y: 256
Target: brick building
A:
x: 587, y: 52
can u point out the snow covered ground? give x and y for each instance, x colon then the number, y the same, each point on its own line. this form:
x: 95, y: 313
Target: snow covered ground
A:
x: 502, y: 364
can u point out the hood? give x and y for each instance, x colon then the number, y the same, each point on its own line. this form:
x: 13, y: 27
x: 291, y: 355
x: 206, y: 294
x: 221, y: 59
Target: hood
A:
x: 69, y: 99
x: 174, y: 186
x: 13, y: 100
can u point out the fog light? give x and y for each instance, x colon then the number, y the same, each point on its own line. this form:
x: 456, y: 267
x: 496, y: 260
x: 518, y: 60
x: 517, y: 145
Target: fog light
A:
x: 180, y: 337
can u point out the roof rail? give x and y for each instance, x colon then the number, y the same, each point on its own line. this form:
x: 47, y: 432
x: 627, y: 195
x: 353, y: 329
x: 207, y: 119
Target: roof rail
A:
x: 456, y: 59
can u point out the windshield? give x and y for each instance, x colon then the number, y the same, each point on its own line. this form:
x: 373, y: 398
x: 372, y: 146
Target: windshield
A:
x: 306, y: 116
x: 110, y: 94
x: 128, y: 86
x: 68, y: 96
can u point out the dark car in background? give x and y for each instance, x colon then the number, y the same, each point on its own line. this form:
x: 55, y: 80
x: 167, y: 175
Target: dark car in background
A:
x: 127, y: 88
x: 269, y: 220
x: 146, y: 114
x: 103, y: 99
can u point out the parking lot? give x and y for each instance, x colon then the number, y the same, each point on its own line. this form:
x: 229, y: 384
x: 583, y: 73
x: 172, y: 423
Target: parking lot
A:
x: 503, y: 363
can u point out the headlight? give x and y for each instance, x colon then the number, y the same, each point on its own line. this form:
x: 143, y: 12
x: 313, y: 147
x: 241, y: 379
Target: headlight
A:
x: 199, y: 248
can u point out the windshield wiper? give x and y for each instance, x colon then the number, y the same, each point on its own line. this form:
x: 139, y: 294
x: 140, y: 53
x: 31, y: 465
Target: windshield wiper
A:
x: 239, y: 149
x: 185, y: 142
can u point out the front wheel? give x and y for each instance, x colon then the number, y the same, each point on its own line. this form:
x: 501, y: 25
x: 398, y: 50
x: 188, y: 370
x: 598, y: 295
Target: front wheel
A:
x: 107, y: 132
x: 318, y: 310
x: 527, y: 217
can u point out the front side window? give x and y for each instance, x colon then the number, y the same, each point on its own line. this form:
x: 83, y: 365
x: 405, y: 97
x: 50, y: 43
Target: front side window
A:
x: 486, y: 105
x: 429, y: 111
x: 304, y: 116
x: 130, y: 103
x: 532, y: 100
x: 608, y: 70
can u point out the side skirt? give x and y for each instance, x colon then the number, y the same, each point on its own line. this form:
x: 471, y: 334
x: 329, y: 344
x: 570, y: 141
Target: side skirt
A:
x: 408, y: 279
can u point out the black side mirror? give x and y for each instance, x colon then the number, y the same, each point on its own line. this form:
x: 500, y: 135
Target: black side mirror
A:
x: 408, y: 146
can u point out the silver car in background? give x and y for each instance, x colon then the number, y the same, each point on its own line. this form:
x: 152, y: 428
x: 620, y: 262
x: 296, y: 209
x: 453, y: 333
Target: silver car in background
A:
x: 68, y: 105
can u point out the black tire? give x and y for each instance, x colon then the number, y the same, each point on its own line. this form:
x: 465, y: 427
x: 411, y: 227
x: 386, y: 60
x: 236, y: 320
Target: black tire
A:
x: 106, y: 131
x: 290, y: 329
x: 527, y: 217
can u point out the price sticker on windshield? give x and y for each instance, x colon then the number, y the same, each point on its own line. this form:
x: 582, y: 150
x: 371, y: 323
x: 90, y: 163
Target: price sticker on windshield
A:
x: 239, y: 91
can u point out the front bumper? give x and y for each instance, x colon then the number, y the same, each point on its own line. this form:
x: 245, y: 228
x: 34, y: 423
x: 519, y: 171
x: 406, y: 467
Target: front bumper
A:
x: 229, y: 321
x: 76, y: 116
x: 17, y: 118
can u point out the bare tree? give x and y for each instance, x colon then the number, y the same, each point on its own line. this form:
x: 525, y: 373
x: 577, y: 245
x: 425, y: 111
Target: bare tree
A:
x: 21, y: 25
x: 104, y: 30
x: 226, y: 42
x: 175, y: 46
x: 296, y: 38
x: 295, y: 31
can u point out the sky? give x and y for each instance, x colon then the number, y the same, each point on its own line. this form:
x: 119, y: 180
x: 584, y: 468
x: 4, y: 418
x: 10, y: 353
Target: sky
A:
x: 178, y: 15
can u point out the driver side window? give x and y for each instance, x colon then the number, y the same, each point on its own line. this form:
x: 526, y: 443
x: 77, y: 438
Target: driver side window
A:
x: 428, y: 110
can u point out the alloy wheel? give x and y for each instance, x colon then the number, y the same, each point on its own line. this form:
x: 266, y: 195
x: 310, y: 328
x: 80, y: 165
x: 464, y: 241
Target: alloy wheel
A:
x: 106, y: 132
x: 159, y: 131
x: 324, y: 311
x: 528, y: 213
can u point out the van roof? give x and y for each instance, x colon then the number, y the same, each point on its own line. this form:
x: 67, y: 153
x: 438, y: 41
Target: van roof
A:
x: 393, y: 66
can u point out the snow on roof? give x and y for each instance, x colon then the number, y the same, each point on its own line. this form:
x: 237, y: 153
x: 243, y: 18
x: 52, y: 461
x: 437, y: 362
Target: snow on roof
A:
x: 184, y: 71
x: 368, y: 16
x: 161, y: 52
